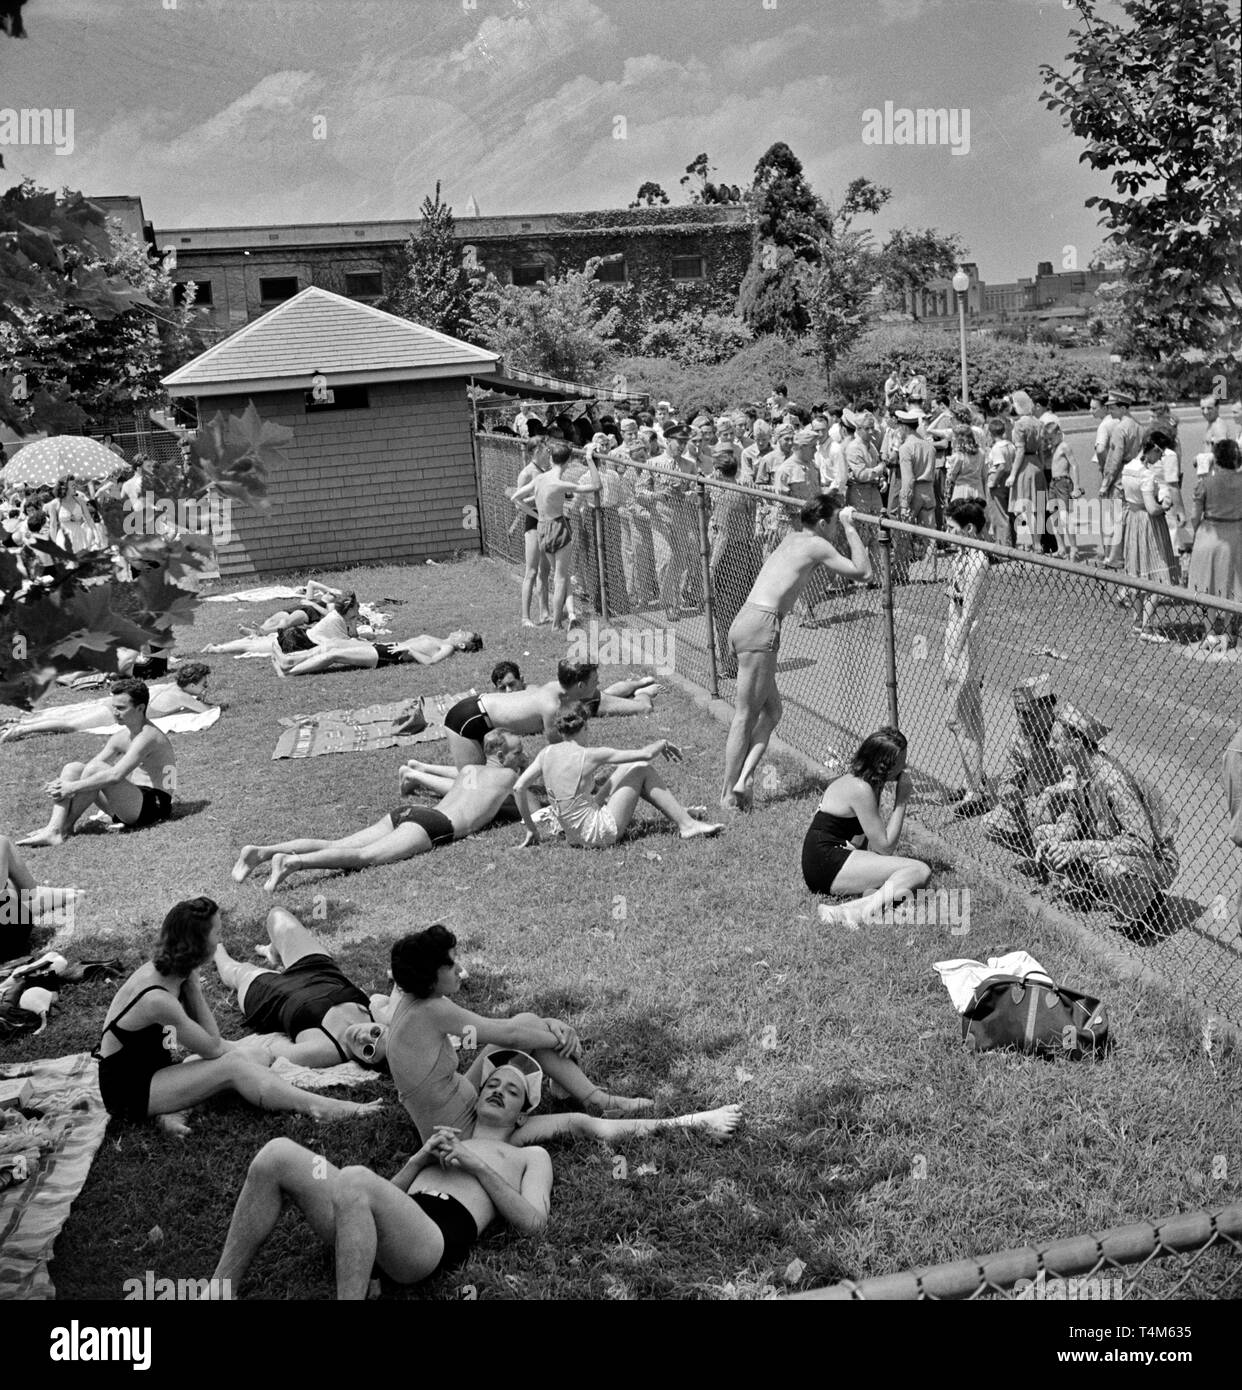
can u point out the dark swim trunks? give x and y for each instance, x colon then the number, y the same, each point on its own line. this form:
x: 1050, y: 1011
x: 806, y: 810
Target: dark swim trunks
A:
x: 456, y: 1225
x: 293, y: 1000
x: 388, y: 654
x: 156, y: 808
x: 468, y: 719
x: 435, y: 823
x: 531, y: 523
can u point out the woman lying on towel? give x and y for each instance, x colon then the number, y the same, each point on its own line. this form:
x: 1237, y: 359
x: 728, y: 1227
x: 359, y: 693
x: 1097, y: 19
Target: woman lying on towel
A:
x: 162, y: 1007
x: 314, y: 604
x: 300, y: 1004
x: 338, y: 624
x: 365, y: 656
x: 182, y: 695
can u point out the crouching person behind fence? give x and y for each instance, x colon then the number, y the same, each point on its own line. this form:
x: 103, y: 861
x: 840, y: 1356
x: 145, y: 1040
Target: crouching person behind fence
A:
x: 1100, y: 830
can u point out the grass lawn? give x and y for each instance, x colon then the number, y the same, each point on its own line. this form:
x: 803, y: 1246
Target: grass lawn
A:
x: 698, y: 974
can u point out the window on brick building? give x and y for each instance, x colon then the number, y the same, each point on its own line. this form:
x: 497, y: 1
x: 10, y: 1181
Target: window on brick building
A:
x: 203, y: 297
x: 364, y: 284
x: 275, y: 289
x: 688, y: 268
x: 611, y: 270
x: 533, y: 274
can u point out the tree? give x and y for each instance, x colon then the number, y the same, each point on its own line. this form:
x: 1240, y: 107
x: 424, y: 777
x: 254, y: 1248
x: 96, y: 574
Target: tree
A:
x: 648, y: 195
x: 1155, y: 100
x: 434, y: 287
x: 559, y: 328
x: 836, y: 291
x: 707, y: 192
x: 910, y: 260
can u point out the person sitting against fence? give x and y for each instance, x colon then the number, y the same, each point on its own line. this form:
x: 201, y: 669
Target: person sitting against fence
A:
x: 469, y: 805
x: 1033, y: 767
x: 598, y: 819
x: 163, y: 1005
x: 848, y: 848
x: 366, y: 656
x: 132, y: 778
x: 182, y: 695
x: 300, y: 1004
x: 1100, y: 830
x: 338, y: 624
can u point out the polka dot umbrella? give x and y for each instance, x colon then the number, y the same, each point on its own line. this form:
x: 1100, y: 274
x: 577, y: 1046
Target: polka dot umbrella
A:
x: 45, y: 463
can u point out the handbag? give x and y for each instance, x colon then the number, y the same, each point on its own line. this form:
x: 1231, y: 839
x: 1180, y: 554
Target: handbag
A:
x: 1036, y: 1018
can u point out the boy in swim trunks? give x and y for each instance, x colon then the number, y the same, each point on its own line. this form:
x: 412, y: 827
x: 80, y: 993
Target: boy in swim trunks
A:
x: 550, y: 492
x: 755, y: 636
x: 471, y: 803
x: 517, y: 712
x: 132, y: 778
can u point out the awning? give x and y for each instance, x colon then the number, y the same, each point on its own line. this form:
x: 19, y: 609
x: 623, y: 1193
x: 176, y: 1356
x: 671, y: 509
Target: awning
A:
x: 508, y: 381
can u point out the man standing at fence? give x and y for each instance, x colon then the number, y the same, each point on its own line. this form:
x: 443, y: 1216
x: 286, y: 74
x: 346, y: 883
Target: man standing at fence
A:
x: 551, y: 492
x: 755, y: 636
x: 1125, y: 443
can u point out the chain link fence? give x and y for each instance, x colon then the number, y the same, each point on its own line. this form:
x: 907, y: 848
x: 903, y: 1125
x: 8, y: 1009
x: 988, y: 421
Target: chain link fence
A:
x: 1119, y: 816
x: 1194, y: 1255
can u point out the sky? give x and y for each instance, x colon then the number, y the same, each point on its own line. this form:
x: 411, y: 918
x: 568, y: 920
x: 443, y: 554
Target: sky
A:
x: 226, y: 112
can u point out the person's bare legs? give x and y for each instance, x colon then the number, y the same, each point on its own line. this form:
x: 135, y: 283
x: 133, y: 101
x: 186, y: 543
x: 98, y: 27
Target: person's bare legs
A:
x: 360, y: 656
x: 393, y: 847
x: 241, y: 645
x: 67, y: 811
x: 560, y: 565
x: 633, y: 780
x: 465, y: 752
x: 719, y: 1124
x: 178, y: 1087
x: 280, y: 1169
x: 17, y: 882
x: 765, y: 727
x: 884, y: 879
x: 376, y: 1222
x: 251, y: 856
x: 756, y: 680
x: 430, y: 777
x: 530, y: 578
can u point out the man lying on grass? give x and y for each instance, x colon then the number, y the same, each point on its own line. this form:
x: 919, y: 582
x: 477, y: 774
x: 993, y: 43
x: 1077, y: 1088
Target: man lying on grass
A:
x: 621, y: 697
x: 182, y: 695
x: 354, y: 654
x: 471, y: 802
x: 430, y: 1214
x: 423, y: 1061
x: 132, y: 778
x: 301, y: 1005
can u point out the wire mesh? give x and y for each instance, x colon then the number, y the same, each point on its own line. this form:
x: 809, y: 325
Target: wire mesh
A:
x: 1193, y: 1255
x: 1116, y: 811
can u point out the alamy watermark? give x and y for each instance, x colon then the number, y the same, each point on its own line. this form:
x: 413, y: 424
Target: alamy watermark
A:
x: 33, y: 125
x: 154, y: 1289
x: 624, y: 646
x: 1056, y: 1290
x: 162, y: 516
x: 42, y: 904
x: 925, y: 907
x: 925, y: 125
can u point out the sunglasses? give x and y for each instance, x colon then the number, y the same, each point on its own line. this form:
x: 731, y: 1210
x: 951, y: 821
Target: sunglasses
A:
x: 368, y: 1050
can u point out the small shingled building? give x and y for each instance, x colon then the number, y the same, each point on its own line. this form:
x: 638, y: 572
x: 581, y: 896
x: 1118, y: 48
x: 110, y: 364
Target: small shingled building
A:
x: 381, y: 467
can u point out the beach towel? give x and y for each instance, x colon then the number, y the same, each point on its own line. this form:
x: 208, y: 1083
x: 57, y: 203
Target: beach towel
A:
x: 361, y: 730
x: 69, y: 1133
x: 188, y: 722
x: 267, y: 595
x: 320, y: 1078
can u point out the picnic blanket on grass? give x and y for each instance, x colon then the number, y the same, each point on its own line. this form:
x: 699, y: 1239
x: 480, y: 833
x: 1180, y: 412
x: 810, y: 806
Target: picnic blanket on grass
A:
x: 33, y: 1211
x: 361, y: 730
x: 321, y: 1078
x: 267, y: 595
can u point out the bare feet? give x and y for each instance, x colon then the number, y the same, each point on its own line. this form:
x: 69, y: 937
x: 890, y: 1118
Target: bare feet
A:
x: 326, y: 1110
x: 406, y: 782
x: 617, y: 1107
x: 267, y: 951
x: 174, y: 1124
x: 282, y: 866
x: 698, y: 828
x: 42, y: 839
x: 720, y: 1123
x: 247, y: 862
x: 839, y: 917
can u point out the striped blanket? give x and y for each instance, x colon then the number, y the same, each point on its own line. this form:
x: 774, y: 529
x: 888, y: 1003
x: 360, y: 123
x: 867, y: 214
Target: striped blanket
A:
x: 33, y: 1211
x: 361, y: 730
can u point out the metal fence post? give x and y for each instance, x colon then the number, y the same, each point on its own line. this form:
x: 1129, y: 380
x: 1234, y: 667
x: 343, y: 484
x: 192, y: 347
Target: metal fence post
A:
x: 709, y: 600
x: 601, y: 567
x: 890, y: 622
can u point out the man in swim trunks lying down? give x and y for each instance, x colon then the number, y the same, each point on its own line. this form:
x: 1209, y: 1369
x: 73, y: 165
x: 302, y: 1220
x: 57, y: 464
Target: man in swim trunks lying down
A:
x: 470, y: 804
x: 429, y: 1215
x: 300, y: 1004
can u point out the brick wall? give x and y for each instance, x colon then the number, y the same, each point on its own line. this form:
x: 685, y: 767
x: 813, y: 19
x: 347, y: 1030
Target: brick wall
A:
x: 381, y: 485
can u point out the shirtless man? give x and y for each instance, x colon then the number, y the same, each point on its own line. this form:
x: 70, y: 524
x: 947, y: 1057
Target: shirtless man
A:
x: 550, y: 493
x: 470, y: 803
x: 755, y: 636
x: 517, y: 712
x: 184, y: 694
x: 366, y: 656
x: 132, y: 778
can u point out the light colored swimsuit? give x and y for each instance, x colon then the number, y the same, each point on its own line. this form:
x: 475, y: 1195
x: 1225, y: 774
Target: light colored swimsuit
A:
x: 586, y: 823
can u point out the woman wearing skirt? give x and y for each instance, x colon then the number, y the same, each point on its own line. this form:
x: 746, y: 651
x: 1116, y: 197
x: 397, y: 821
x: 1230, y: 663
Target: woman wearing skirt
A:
x: 1146, y: 546
x: 1216, y: 560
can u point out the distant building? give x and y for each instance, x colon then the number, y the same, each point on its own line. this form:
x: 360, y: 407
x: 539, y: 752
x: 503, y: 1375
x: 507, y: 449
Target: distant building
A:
x: 693, y: 255
x: 1062, y: 297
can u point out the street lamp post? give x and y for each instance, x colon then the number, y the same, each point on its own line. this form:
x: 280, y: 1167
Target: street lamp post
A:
x: 961, y: 283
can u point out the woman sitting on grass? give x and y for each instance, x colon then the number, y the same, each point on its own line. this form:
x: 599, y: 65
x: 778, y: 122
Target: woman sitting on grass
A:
x: 162, y: 1005
x: 182, y: 695
x: 848, y: 848
x: 598, y: 819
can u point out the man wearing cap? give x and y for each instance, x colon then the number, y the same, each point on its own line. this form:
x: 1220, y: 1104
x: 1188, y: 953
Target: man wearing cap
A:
x: 760, y: 445
x: 675, y: 529
x: 1100, y: 830
x: 771, y: 524
x: 1125, y: 444
x: 916, y: 462
x: 663, y: 418
x: 755, y: 636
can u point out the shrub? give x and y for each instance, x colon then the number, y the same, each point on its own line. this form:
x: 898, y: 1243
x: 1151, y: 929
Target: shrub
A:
x: 695, y: 340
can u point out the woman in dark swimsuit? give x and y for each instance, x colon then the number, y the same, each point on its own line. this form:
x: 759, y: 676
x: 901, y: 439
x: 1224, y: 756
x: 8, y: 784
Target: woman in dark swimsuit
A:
x: 848, y: 848
x: 162, y: 1006
x: 307, y: 1010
